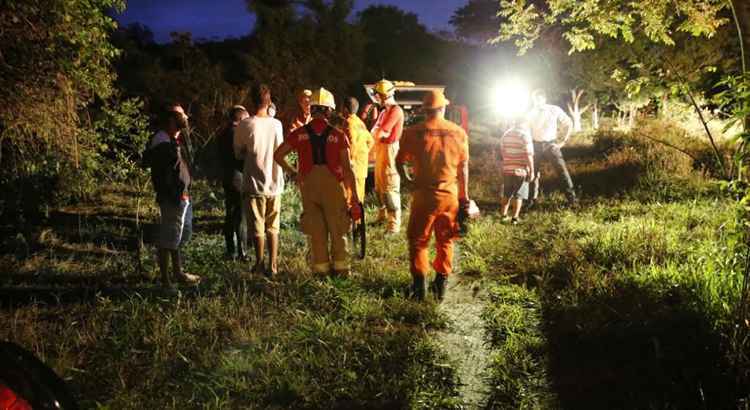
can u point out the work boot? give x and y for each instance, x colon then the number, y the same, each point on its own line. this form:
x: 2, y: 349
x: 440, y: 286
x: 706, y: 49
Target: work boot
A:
x: 439, y: 286
x: 418, y: 289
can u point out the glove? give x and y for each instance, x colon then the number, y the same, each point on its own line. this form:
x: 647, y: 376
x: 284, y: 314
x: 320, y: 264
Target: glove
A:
x: 356, y: 212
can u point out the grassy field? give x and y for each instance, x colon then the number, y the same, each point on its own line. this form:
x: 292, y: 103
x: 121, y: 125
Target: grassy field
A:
x: 623, y: 303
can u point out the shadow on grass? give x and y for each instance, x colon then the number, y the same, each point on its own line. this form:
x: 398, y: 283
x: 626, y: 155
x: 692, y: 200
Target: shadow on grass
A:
x: 637, y: 348
x: 15, y: 297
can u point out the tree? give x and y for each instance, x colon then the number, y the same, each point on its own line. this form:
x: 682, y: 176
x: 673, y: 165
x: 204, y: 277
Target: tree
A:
x: 56, y: 59
x: 585, y: 21
x: 303, y: 47
x: 477, y: 20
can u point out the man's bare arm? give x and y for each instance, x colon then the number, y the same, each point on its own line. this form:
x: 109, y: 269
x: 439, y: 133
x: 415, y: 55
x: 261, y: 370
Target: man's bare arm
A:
x: 280, y: 157
x: 568, y: 123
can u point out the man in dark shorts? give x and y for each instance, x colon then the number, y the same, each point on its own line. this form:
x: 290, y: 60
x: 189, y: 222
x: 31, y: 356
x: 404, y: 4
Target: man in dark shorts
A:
x: 517, y: 151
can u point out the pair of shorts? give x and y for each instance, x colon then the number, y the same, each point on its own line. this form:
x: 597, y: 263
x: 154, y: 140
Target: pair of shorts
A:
x: 263, y: 215
x: 515, y: 187
x: 176, y: 224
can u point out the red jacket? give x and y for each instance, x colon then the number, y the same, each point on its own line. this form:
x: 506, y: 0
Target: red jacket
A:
x: 335, y: 143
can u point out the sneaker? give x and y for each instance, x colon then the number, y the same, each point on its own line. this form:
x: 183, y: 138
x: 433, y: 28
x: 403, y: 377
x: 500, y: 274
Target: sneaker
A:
x: 188, y: 278
x: 505, y: 219
x: 514, y: 221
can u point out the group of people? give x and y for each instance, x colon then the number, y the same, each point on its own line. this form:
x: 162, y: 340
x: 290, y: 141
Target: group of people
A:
x: 531, y: 139
x: 332, y: 155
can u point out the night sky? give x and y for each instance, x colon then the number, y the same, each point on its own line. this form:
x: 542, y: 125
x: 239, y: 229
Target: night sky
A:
x: 230, y: 18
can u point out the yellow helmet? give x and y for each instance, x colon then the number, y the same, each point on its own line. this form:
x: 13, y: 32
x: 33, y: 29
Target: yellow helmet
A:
x: 385, y: 87
x: 323, y: 98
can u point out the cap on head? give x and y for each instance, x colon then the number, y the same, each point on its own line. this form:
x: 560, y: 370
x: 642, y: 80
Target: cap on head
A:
x: 324, y: 98
x: 385, y: 88
x: 434, y: 100
x: 304, y: 94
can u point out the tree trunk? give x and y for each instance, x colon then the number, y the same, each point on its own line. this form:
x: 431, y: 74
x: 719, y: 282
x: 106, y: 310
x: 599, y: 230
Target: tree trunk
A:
x: 575, y: 110
x: 742, y: 14
x: 633, y: 112
x: 595, y: 115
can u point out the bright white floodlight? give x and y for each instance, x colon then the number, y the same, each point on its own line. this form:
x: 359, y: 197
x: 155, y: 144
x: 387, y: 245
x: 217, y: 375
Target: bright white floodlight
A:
x: 510, y: 98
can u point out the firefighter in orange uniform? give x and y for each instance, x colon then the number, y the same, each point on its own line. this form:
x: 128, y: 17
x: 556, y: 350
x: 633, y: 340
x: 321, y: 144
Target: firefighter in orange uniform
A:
x: 439, y: 153
x: 387, y: 134
x: 324, y: 176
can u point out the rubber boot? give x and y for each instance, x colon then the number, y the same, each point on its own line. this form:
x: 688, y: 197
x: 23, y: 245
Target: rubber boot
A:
x: 418, y: 289
x: 439, y: 286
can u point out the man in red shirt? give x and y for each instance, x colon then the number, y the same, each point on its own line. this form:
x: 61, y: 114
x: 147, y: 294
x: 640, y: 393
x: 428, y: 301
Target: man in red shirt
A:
x: 325, y: 176
x: 387, y: 134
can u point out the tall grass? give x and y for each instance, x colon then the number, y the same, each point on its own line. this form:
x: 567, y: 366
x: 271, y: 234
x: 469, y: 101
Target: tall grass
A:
x: 633, y: 293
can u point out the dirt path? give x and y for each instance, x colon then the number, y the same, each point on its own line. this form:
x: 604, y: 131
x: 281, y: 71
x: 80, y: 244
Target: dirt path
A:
x: 464, y: 339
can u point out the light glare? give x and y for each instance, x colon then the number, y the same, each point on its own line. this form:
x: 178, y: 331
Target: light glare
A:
x: 511, y: 98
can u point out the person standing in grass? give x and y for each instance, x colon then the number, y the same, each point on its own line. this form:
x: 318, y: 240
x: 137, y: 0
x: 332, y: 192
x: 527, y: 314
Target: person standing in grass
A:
x: 255, y: 140
x: 324, y: 176
x: 235, y: 232
x: 517, y: 152
x: 439, y: 153
x: 360, y: 141
x: 170, y: 174
x: 543, y: 119
x: 387, y: 134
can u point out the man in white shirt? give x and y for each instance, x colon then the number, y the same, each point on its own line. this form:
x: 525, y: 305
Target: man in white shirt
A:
x: 255, y: 140
x: 543, y: 119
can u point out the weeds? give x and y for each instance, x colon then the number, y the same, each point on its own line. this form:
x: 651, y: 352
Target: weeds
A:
x: 624, y: 303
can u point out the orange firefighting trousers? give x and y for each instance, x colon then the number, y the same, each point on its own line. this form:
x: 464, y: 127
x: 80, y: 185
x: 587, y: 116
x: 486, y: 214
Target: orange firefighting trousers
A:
x: 431, y: 211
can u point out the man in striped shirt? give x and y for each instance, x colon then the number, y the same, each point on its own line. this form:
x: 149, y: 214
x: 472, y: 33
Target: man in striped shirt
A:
x: 517, y: 152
